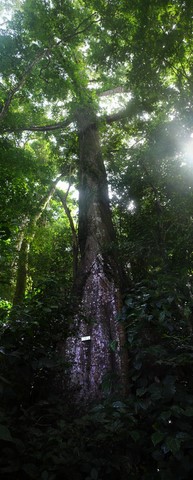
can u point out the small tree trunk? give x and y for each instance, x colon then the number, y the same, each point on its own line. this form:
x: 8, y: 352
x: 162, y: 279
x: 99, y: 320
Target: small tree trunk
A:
x: 63, y: 197
x: 21, y: 278
x: 24, y: 246
x: 96, y: 349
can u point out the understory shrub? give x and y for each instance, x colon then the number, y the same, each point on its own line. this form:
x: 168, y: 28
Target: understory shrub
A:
x: 148, y: 435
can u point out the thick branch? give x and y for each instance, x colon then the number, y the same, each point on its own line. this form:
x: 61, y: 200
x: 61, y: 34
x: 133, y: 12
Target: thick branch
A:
x: 133, y: 108
x: 112, y: 91
x: 41, y: 128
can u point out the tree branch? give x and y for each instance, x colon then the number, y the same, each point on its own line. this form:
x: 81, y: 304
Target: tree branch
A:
x: 133, y: 107
x: 112, y: 91
x: 45, y: 200
x: 77, y: 31
x: 41, y: 128
x: 21, y: 82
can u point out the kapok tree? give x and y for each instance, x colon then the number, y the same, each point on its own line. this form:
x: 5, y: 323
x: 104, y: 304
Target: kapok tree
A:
x: 50, y: 44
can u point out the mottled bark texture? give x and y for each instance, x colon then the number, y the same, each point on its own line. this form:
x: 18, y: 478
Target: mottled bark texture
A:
x: 98, y: 279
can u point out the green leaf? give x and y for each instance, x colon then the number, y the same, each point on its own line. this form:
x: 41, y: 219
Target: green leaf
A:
x: 30, y: 469
x: 5, y: 434
x: 162, y: 316
x: 45, y: 475
x: 129, y: 302
x: 135, y: 435
x: 113, y: 345
x: 173, y: 444
x: 156, y: 391
x: 176, y: 410
x: 137, y: 364
x: 188, y: 412
x: 94, y: 474
x: 142, y: 404
x: 119, y: 404
x: 183, y: 436
x: 4, y: 380
x: 2, y: 351
x: 157, y: 437
x: 140, y: 391
x: 165, y: 415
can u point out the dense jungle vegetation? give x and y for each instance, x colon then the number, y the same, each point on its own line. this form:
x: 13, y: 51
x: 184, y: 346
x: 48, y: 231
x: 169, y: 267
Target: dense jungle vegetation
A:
x: 96, y: 94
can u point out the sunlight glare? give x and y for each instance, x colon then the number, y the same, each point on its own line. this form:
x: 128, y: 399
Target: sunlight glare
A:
x: 188, y: 150
x: 64, y: 187
x: 131, y: 206
x: 113, y: 102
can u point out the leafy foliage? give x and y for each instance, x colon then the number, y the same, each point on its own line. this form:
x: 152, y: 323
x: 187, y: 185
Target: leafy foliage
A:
x: 56, y: 58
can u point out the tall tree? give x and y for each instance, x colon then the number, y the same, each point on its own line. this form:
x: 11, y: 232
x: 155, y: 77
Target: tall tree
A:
x: 60, y: 70
x: 96, y: 347
x: 98, y: 272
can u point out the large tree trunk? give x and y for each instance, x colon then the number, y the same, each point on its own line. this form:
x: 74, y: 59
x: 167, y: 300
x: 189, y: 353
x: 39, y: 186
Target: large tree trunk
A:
x: 96, y: 348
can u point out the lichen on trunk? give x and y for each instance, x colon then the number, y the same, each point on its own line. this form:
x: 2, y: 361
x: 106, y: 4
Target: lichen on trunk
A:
x: 95, y: 348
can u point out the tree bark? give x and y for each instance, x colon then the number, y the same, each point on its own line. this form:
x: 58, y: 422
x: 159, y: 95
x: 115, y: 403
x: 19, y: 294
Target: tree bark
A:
x: 95, y: 350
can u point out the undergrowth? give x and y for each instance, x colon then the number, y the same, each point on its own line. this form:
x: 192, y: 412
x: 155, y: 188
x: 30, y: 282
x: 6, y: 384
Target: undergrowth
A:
x: 148, y: 435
